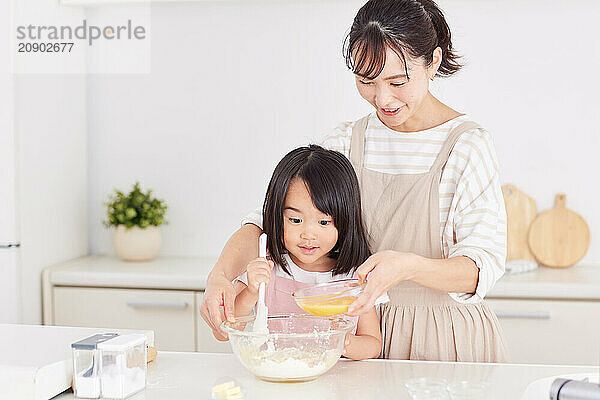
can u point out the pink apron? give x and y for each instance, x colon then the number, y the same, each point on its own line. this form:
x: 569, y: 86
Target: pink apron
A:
x: 278, y: 296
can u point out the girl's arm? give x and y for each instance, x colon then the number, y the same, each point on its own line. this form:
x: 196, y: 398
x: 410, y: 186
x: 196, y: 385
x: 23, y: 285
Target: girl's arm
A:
x: 367, y: 341
x: 258, y: 271
x: 245, y: 300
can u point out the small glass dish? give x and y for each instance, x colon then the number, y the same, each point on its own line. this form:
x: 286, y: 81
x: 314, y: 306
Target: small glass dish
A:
x: 468, y: 390
x: 427, y: 388
x: 328, y: 299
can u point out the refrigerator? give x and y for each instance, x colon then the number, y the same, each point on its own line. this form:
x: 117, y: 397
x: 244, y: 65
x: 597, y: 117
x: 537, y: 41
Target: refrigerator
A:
x: 9, y: 238
x: 9, y: 256
x: 9, y: 235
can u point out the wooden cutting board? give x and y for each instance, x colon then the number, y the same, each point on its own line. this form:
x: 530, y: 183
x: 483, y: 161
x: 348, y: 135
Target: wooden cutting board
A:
x: 559, y: 237
x: 521, y: 210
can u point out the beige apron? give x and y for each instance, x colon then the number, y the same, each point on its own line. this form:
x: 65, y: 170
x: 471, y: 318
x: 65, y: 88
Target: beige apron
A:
x: 402, y: 213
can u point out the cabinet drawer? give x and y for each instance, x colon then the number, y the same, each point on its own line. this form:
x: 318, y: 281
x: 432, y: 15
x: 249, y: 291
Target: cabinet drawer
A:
x: 170, y: 314
x: 549, y: 331
x: 205, y: 340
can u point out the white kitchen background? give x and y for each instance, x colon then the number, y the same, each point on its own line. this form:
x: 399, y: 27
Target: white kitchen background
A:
x: 236, y: 84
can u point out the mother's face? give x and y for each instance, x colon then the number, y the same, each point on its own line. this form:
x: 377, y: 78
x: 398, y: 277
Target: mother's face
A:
x: 396, y: 97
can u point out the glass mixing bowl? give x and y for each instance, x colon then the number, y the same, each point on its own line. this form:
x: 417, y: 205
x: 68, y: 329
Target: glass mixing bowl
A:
x: 298, y: 347
x: 327, y: 299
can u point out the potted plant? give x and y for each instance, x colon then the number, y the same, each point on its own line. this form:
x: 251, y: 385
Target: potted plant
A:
x: 136, y: 217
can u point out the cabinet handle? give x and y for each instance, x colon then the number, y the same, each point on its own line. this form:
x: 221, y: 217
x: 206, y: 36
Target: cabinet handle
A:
x: 180, y: 305
x: 523, y: 314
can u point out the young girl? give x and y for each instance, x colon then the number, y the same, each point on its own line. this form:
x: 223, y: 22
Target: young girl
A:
x: 312, y: 218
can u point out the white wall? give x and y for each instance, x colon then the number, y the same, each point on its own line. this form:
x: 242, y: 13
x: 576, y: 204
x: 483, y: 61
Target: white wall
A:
x: 236, y: 84
x: 53, y: 189
x: 49, y: 115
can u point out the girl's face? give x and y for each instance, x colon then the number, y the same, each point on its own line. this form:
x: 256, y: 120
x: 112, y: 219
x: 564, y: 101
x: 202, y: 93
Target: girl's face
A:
x: 400, y: 102
x: 308, y: 234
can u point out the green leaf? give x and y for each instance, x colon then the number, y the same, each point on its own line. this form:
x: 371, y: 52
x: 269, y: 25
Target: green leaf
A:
x: 134, y: 209
x: 130, y: 213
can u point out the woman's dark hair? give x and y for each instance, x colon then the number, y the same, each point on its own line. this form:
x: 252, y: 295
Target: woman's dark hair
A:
x: 413, y: 27
x: 333, y: 187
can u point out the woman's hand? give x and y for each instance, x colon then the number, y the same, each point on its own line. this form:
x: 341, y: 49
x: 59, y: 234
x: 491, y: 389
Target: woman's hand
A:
x: 384, y: 270
x: 259, y: 271
x: 219, y: 296
x: 218, y: 304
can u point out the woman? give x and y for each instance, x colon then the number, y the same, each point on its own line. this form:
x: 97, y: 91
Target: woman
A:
x: 431, y: 193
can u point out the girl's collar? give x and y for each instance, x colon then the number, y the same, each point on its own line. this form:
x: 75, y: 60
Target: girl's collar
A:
x: 295, y: 268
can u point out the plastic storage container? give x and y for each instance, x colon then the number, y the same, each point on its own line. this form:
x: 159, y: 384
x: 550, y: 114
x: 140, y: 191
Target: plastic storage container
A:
x: 86, y: 365
x: 123, y: 366
x: 109, y: 366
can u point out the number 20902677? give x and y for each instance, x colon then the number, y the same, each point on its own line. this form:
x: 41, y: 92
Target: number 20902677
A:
x: 35, y: 47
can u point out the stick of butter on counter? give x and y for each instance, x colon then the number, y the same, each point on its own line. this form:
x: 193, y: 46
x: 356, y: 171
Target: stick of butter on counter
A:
x: 227, y: 391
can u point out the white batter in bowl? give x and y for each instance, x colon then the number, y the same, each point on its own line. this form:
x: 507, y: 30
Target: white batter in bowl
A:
x: 298, y: 347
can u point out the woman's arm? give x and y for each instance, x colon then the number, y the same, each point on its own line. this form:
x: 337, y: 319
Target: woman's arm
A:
x: 476, y: 226
x: 367, y: 341
x: 450, y: 275
x: 388, y: 268
x: 240, y: 249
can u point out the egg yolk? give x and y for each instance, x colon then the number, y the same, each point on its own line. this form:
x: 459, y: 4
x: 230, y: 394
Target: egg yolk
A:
x: 326, y: 308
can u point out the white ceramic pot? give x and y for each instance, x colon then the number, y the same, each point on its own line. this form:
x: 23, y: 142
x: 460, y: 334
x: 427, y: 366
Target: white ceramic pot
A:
x: 135, y: 244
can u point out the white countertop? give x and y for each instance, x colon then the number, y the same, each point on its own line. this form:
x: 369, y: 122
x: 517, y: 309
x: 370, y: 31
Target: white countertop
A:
x: 577, y: 282
x: 36, y: 361
x: 192, y: 375
x: 166, y: 272
x: 190, y: 273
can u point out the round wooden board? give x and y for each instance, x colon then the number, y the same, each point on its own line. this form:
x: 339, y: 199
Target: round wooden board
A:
x: 559, y: 237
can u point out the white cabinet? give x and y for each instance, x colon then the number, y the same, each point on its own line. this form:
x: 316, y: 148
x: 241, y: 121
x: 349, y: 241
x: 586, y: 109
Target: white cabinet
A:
x: 173, y: 315
x: 550, y: 331
x: 163, y: 295
x: 169, y: 313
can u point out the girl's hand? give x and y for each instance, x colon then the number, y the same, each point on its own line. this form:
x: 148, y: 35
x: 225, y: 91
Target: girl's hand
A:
x: 348, y: 345
x: 362, y: 347
x: 259, y: 271
x: 385, y: 270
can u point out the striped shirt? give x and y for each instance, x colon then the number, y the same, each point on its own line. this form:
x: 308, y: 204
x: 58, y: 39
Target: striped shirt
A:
x: 472, y: 212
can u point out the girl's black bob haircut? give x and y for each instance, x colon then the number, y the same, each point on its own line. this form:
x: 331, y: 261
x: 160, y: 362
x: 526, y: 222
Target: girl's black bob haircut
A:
x: 333, y: 187
x: 408, y: 27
